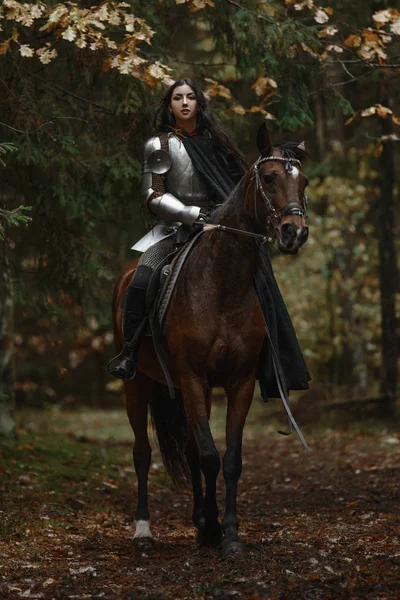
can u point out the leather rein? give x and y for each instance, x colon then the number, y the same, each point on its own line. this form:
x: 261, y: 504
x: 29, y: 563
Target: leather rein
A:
x: 292, y: 208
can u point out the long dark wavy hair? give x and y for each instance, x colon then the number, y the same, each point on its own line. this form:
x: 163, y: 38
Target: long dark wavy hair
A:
x: 205, y: 124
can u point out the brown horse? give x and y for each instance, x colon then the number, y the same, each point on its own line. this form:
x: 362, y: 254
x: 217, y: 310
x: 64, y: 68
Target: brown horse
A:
x: 214, y: 331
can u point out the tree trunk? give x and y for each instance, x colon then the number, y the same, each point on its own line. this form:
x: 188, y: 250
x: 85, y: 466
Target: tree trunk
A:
x: 7, y: 398
x: 388, y: 273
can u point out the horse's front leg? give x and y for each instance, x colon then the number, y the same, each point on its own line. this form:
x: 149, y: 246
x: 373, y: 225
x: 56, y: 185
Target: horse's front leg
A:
x: 239, y: 401
x: 197, y: 406
x: 137, y: 394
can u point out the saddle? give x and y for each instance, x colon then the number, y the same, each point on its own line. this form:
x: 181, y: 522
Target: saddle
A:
x: 158, y: 298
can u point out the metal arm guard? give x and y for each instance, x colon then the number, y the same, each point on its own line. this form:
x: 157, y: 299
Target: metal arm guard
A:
x: 169, y: 208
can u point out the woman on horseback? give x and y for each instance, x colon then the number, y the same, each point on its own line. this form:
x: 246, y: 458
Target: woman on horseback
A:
x: 190, y: 166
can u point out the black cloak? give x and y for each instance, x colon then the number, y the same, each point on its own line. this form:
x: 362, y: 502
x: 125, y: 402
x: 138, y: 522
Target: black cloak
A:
x: 222, y: 173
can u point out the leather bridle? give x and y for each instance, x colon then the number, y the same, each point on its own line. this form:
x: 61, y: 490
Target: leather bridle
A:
x: 274, y: 217
x: 292, y: 208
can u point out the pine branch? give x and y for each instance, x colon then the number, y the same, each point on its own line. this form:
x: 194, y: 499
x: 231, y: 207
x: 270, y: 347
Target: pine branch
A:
x: 262, y: 17
x: 13, y: 218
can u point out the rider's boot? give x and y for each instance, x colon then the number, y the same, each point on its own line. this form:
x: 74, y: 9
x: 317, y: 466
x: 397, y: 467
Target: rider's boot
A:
x: 134, y: 305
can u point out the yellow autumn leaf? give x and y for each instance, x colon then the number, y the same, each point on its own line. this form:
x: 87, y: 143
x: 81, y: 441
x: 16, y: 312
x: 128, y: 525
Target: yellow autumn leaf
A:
x: 395, y: 27
x: 197, y: 5
x: 216, y: 89
x: 238, y: 109
x: 26, y: 50
x: 378, y: 150
x: 261, y: 85
x: 352, y: 118
x: 370, y: 36
x: 367, y: 112
x: 321, y: 16
x: 4, y: 47
x: 309, y: 50
x: 328, y: 31
x: 353, y: 41
x: 258, y: 109
x: 383, y: 111
x: 334, y: 48
x: 381, y: 17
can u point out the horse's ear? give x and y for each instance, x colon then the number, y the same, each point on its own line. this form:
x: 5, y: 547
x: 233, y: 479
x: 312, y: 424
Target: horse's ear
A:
x: 263, y: 140
x: 302, y: 146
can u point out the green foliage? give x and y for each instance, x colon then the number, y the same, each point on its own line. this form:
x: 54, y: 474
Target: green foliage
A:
x: 340, y: 262
x: 13, y: 218
x: 4, y: 148
x: 17, y: 216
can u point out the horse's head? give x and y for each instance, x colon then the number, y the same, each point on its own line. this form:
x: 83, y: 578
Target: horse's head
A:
x: 278, y: 200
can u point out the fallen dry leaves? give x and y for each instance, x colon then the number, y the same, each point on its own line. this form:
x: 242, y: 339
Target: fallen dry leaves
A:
x: 322, y: 527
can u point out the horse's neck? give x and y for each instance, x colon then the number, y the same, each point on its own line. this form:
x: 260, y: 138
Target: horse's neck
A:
x: 241, y: 251
x: 234, y: 255
x: 227, y: 261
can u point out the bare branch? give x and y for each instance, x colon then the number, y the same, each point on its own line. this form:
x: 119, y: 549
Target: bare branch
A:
x: 27, y: 132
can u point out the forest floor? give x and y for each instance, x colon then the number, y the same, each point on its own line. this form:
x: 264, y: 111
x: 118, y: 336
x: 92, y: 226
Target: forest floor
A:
x: 319, y: 527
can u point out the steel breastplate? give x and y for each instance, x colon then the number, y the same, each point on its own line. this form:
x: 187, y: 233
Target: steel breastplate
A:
x: 182, y: 180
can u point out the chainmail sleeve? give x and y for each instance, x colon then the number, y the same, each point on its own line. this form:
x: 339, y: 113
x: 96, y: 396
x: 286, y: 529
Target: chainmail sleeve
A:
x: 153, y: 184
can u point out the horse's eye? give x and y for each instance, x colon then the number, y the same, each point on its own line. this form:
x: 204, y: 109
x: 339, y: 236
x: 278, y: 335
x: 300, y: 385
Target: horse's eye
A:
x: 268, y: 179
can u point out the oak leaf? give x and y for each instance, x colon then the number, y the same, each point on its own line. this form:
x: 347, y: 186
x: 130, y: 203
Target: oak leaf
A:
x: 26, y: 50
x: 353, y: 41
x: 328, y: 31
x: 381, y: 17
x: 395, y: 27
x: 334, y: 48
x: 321, y: 16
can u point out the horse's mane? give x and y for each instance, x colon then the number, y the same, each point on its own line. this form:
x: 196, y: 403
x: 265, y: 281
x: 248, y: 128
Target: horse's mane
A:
x: 292, y: 150
x: 235, y: 198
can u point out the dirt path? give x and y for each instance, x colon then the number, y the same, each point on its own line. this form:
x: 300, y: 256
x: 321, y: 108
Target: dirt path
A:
x: 325, y: 527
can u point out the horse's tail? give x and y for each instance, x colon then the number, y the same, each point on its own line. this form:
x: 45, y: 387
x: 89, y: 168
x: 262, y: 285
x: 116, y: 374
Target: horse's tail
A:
x: 171, y: 426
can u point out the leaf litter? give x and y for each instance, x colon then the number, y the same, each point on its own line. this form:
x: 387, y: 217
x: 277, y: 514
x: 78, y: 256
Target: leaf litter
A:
x: 325, y: 527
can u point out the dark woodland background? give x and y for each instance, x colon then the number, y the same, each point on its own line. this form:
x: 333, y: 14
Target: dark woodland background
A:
x: 72, y: 135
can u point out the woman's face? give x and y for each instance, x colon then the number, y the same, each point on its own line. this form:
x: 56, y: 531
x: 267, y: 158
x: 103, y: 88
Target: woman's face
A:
x: 184, y: 105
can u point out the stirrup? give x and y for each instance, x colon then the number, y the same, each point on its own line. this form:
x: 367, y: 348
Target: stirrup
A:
x: 116, y: 370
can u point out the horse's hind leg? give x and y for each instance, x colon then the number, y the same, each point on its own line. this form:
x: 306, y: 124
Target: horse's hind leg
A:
x: 239, y: 401
x: 193, y: 459
x: 137, y: 400
x: 197, y: 407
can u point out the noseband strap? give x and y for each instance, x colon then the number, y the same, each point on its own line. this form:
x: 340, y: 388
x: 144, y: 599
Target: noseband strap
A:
x: 292, y: 208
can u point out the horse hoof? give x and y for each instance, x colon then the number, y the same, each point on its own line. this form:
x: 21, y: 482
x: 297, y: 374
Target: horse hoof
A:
x: 230, y: 548
x: 209, y: 539
x: 144, y: 544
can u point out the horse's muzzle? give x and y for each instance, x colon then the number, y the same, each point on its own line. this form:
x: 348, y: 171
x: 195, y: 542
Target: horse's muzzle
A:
x: 291, y: 238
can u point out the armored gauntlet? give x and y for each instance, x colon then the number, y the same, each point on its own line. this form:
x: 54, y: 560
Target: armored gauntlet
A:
x: 169, y: 208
